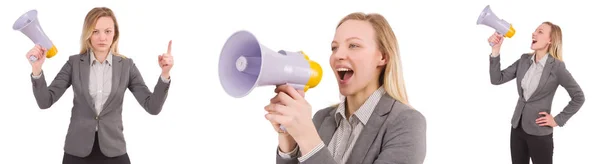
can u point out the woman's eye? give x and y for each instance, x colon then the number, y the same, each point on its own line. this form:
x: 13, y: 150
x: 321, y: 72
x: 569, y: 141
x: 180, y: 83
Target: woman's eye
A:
x: 353, y: 46
x: 333, y: 48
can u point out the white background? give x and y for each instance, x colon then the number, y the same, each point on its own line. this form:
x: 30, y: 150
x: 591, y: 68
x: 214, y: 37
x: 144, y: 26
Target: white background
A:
x: 444, y: 52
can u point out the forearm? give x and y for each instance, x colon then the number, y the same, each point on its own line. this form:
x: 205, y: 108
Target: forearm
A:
x: 36, y: 71
x: 287, y: 143
x: 495, y: 72
x: 313, y: 149
x: 318, y: 155
x: 573, y: 107
x: 287, y: 157
x: 567, y: 81
x: 498, y: 76
x: 43, y: 96
x: 154, y: 103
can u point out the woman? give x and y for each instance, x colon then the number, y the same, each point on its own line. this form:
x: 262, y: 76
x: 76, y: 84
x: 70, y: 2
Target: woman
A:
x: 538, y: 76
x: 374, y: 122
x: 99, y: 76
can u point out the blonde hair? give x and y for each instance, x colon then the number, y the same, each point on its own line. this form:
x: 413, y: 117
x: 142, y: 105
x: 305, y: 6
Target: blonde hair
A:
x: 88, y: 28
x: 391, y: 76
x: 555, y: 48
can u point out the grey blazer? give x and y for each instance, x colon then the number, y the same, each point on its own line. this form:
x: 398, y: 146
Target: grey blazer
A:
x: 80, y: 135
x: 555, y: 73
x: 395, y: 133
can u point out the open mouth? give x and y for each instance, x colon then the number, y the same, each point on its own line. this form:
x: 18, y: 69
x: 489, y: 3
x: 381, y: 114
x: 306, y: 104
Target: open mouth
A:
x: 345, y: 73
x: 533, y: 41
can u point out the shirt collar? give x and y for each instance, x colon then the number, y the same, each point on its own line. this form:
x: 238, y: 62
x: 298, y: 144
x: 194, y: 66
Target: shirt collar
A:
x: 364, y: 111
x: 542, y: 61
x: 108, y: 58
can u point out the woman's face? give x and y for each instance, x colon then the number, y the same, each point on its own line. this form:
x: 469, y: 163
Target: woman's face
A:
x: 103, y: 34
x: 355, y: 57
x: 541, y: 37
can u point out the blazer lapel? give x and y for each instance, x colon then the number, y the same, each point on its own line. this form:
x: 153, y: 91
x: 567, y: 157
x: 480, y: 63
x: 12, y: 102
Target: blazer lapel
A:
x: 544, y: 78
x: 328, y: 128
x: 371, y: 129
x: 84, y: 77
x: 521, y: 74
x: 116, y: 79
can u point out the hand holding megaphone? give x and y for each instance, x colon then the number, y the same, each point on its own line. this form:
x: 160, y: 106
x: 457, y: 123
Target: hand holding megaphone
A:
x: 496, y: 41
x: 36, y: 58
x: 289, y: 109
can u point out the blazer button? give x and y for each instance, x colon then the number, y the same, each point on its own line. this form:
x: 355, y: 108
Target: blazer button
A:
x: 96, y: 117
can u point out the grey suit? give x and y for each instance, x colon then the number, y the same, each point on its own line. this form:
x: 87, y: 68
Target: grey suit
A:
x: 395, y: 133
x: 84, y: 120
x: 554, y: 73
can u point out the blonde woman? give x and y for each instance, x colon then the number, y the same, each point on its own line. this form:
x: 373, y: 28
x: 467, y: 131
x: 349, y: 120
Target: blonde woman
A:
x: 538, y: 76
x: 374, y: 122
x: 99, y: 76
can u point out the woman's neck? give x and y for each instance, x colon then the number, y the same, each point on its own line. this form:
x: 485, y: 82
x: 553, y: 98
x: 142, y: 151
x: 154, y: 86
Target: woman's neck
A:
x: 539, y: 54
x: 354, y: 101
x: 100, y: 56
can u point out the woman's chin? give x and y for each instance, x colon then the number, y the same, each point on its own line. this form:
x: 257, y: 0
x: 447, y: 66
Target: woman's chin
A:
x: 345, y: 91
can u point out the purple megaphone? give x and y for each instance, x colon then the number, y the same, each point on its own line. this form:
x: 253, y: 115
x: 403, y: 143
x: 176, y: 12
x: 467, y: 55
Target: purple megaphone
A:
x: 488, y: 18
x: 245, y: 64
x: 29, y: 25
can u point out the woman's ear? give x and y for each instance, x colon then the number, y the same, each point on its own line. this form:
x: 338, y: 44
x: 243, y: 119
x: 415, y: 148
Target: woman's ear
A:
x: 383, y: 60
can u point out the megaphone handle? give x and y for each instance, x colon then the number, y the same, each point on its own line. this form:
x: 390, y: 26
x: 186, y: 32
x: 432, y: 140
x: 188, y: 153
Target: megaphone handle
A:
x: 32, y: 58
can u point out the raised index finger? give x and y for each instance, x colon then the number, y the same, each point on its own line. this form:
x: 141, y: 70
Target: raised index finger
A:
x: 169, y: 49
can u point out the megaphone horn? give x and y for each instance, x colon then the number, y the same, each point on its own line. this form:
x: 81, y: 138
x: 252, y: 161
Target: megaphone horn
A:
x: 245, y: 64
x: 29, y: 25
x: 488, y: 18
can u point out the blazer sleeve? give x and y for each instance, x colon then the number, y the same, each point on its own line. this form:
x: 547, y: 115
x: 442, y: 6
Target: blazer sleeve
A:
x: 498, y: 76
x: 45, y: 95
x: 152, y: 102
x: 405, y: 141
x: 293, y: 157
x: 567, y: 81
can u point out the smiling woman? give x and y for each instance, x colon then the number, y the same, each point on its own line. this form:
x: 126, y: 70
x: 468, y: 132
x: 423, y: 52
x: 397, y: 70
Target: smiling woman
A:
x: 374, y: 122
x: 99, y: 82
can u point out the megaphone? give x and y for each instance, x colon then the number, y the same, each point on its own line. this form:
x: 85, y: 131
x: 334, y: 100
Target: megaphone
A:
x: 245, y: 64
x: 29, y: 25
x: 488, y: 18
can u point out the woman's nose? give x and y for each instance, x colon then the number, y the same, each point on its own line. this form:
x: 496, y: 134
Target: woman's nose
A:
x: 340, y: 55
x: 102, y: 37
